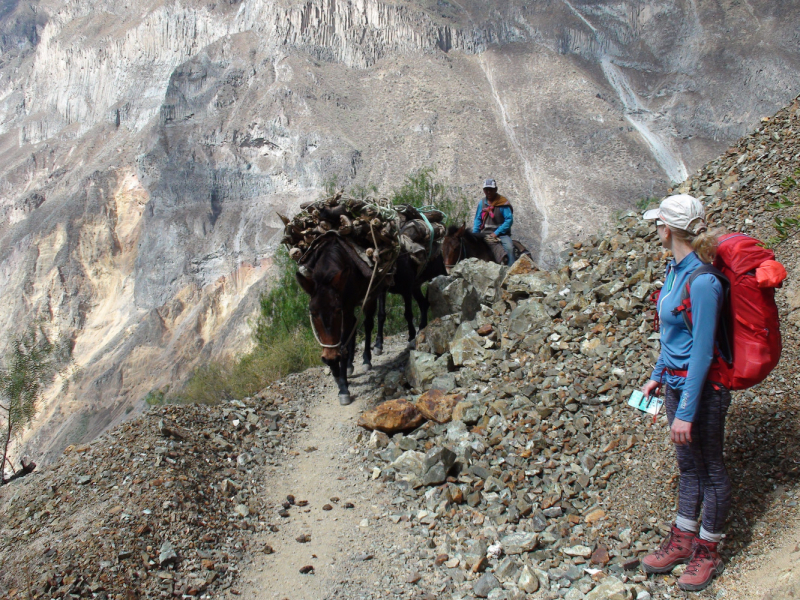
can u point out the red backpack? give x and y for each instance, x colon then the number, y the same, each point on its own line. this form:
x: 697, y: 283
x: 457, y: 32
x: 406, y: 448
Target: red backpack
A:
x: 748, y: 335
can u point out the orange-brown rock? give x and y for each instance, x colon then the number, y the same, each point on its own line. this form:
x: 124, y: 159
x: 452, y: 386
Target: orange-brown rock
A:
x: 485, y: 329
x: 600, y: 555
x: 392, y: 417
x: 595, y: 516
x: 437, y: 406
x: 523, y: 266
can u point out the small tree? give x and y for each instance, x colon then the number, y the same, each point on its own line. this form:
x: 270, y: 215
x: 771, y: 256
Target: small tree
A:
x: 30, y: 366
x: 284, y: 309
x: 423, y: 188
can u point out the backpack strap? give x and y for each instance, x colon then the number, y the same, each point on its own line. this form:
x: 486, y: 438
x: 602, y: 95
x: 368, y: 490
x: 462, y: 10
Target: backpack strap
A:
x: 723, y: 342
x: 656, y: 321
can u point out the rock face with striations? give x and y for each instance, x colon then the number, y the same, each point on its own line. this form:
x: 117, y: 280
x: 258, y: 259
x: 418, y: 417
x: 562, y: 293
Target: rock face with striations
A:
x: 146, y: 146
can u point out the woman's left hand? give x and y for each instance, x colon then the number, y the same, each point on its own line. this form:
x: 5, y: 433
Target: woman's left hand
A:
x: 681, y: 432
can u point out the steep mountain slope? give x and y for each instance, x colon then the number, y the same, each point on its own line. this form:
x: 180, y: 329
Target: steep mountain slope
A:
x: 145, y: 146
x: 193, y: 499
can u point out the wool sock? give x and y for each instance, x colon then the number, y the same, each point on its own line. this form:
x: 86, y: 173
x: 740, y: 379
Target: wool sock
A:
x: 710, y: 537
x: 686, y: 525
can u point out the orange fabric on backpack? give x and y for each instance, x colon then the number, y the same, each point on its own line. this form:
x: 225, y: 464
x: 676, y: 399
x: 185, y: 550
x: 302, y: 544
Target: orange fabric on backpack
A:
x: 770, y: 274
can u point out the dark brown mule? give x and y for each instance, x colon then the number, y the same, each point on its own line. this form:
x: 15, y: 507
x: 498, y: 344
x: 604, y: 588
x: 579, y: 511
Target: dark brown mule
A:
x: 408, y: 284
x: 337, y: 287
x: 460, y: 243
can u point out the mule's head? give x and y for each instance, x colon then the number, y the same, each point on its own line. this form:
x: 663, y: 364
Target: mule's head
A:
x: 451, y: 246
x: 326, y: 291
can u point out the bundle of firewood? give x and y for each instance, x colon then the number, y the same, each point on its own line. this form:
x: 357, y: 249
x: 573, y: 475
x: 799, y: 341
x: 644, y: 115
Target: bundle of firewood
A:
x: 377, y: 228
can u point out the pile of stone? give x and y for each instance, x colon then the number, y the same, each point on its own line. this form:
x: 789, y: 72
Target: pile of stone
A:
x: 376, y: 230
x: 163, y: 506
x: 543, y: 479
x: 528, y: 360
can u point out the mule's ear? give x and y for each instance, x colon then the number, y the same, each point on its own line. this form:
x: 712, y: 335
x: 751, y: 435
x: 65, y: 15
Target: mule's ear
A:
x: 461, y: 230
x: 306, y: 283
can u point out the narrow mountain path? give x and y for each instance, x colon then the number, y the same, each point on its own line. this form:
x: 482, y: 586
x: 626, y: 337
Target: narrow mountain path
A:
x: 352, y: 543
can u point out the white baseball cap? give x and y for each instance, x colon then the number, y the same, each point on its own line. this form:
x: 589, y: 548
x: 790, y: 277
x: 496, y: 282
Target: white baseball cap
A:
x: 490, y: 183
x: 680, y: 212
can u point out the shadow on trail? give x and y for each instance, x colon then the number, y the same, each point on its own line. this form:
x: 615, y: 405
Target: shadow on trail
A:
x: 369, y: 382
x: 762, y: 455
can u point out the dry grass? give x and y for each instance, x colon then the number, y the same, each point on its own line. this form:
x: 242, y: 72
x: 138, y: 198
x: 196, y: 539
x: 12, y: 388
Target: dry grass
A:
x: 253, y: 372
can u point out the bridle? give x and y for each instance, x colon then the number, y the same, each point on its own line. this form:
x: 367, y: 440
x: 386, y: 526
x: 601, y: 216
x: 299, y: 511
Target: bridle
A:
x: 319, y: 341
x: 363, y: 304
x: 462, y: 254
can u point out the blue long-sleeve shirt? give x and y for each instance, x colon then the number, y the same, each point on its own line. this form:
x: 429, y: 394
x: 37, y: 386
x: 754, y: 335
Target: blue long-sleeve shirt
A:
x: 504, y: 228
x: 683, y: 350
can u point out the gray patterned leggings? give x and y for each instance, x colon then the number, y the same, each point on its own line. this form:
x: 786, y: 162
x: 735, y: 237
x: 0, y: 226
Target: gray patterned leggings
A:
x: 704, y: 481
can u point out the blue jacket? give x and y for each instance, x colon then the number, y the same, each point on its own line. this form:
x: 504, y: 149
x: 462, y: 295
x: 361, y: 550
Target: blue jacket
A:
x: 680, y: 349
x: 505, y: 212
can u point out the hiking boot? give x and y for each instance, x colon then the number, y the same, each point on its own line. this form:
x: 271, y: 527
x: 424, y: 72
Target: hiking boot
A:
x: 676, y: 549
x: 704, y: 566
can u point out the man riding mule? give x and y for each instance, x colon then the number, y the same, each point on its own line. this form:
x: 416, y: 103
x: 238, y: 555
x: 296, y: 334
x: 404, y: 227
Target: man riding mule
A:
x: 493, y: 220
x: 490, y: 237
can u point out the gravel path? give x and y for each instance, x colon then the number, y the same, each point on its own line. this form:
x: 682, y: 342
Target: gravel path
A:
x: 351, y: 543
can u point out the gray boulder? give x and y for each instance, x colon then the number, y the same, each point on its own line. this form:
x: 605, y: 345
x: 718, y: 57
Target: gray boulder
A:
x: 467, y: 412
x: 445, y: 383
x: 485, y: 584
x: 610, y: 588
x: 606, y: 291
x: 528, y: 315
x: 435, y: 338
x: 517, y: 543
x: 451, y: 295
x: 410, y: 463
x: 536, y: 284
x: 423, y: 368
x: 467, y: 347
x: 484, y: 276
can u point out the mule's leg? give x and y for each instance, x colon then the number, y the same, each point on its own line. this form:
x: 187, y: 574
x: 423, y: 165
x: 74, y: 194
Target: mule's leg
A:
x: 344, y: 366
x: 422, y: 302
x: 351, y: 353
x: 369, y: 320
x: 381, y: 322
x: 408, y: 313
x: 339, y: 372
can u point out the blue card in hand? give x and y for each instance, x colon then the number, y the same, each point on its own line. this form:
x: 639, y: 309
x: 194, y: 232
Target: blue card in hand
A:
x: 649, y: 404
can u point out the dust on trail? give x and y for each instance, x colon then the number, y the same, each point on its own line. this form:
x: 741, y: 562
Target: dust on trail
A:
x: 350, y: 548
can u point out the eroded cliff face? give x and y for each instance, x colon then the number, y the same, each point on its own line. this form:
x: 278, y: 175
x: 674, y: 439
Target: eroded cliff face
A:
x: 147, y: 145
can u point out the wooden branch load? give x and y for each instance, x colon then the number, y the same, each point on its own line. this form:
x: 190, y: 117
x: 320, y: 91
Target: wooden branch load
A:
x: 377, y: 230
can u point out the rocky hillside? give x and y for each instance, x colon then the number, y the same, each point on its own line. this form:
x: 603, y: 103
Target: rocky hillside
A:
x: 521, y: 469
x: 147, y: 145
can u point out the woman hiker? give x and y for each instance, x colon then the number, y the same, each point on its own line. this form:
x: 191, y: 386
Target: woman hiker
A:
x: 696, y: 408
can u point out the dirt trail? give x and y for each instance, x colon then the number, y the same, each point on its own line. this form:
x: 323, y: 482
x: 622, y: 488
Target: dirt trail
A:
x: 770, y: 570
x: 350, y: 544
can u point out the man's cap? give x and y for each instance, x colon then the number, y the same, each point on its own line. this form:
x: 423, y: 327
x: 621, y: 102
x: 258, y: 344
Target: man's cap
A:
x: 490, y: 183
x: 680, y: 212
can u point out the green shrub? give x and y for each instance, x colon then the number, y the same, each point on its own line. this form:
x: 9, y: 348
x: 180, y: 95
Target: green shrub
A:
x: 647, y: 202
x: 156, y: 397
x: 422, y: 188
x: 246, y: 376
x: 284, y: 308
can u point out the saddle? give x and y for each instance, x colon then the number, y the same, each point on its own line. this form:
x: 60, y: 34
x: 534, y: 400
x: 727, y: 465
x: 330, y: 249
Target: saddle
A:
x: 500, y: 253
